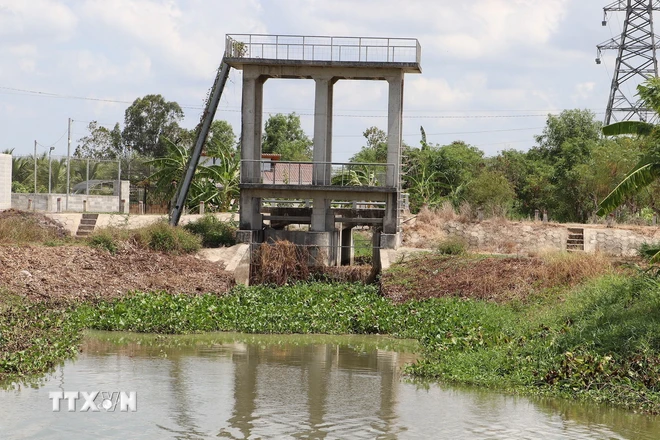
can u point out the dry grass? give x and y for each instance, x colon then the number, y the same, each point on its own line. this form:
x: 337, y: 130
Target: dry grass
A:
x: 19, y: 227
x: 283, y: 262
x: 572, y: 268
x: 279, y: 263
x: 490, y: 278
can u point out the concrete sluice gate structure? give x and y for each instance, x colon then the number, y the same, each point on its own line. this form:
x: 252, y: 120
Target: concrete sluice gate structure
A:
x: 332, y: 198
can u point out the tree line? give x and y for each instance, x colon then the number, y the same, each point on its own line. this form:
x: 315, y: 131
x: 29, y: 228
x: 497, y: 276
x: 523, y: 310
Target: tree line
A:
x: 568, y: 171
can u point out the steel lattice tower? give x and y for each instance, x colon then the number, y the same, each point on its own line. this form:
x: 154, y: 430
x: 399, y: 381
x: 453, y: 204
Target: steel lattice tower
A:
x: 636, y: 60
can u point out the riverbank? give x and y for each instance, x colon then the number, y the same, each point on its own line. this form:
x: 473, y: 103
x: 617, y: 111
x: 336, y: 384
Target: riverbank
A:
x: 597, y: 342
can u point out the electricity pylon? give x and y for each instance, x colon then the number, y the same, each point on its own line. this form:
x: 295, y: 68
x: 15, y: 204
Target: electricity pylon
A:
x: 636, y: 60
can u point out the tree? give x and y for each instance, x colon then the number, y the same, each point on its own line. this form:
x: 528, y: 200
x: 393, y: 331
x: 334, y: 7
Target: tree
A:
x: 215, y: 185
x: 221, y: 140
x: 148, y: 121
x: 376, y: 149
x: 492, y: 192
x: 574, y: 125
x: 101, y: 143
x: 647, y: 169
x: 283, y: 135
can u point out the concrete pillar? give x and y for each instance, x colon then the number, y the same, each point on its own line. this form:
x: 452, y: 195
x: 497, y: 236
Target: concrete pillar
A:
x: 391, y: 218
x: 250, y: 218
x: 347, y: 252
x: 252, y: 115
x: 322, y: 216
x: 394, y: 128
x: 323, y: 130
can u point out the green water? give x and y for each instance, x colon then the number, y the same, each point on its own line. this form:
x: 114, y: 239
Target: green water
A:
x: 246, y: 386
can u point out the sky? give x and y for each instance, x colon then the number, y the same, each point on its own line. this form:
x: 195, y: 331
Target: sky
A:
x: 492, y: 69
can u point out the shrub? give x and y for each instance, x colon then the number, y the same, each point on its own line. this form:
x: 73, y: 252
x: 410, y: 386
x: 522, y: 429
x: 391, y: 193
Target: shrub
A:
x: 26, y: 227
x: 103, y: 239
x: 452, y: 246
x: 214, y: 233
x: 162, y: 237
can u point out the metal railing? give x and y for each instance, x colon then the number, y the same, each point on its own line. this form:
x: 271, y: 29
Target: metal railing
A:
x: 318, y: 48
x: 317, y: 173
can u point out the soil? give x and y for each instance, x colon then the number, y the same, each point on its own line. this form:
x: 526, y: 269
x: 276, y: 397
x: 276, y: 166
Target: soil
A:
x: 84, y: 273
x: 498, y: 279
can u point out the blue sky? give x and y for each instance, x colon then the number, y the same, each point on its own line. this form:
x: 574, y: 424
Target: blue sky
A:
x: 492, y: 69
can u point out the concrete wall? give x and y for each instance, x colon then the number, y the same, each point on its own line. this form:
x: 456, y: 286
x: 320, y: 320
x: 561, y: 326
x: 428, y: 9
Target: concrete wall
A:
x: 71, y: 220
x: 48, y: 202
x: 5, y: 181
x: 525, y: 238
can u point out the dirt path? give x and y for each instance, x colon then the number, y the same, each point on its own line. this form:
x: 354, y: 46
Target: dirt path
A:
x: 81, y: 272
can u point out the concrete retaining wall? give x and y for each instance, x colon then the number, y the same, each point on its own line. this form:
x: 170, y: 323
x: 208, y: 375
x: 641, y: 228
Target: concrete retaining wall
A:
x: 5, y: 181
x: 525, y: 238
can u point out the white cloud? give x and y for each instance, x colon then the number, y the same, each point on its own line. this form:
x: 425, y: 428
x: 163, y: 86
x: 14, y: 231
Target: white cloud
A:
x: 36, y: 19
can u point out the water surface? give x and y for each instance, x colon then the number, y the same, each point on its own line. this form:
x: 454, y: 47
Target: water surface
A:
x: 243, y: 386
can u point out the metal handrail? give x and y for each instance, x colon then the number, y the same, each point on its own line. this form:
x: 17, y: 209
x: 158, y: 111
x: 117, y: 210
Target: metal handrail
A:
x: 316, y: 173
x: 323, y: 48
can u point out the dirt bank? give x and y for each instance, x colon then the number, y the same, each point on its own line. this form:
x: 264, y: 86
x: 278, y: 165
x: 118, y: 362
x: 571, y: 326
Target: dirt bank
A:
x: 81, y: 272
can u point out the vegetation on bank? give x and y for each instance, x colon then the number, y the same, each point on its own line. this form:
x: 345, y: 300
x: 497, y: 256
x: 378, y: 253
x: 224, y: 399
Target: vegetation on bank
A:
x: 596, y: 342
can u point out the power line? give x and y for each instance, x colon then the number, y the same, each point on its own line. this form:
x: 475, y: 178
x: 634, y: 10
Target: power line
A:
x: 450, y: 133
x: 530, y: 114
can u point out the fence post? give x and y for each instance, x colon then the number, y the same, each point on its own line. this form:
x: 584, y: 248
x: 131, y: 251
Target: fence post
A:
x: 122, y: 205
x: 536, y: 215
x: 140, y: 207
x: 201, y: 207
x: 545, y: 216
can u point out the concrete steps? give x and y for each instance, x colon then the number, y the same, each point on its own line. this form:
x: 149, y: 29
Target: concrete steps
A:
x: 87, y: 225
x: 575, y: 241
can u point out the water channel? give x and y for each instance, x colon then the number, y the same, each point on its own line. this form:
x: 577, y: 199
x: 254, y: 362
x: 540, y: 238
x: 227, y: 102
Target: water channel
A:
x: 225, y: 385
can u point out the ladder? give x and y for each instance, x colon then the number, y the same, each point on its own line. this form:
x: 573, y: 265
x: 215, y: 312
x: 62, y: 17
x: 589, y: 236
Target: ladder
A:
x: 203, y: 128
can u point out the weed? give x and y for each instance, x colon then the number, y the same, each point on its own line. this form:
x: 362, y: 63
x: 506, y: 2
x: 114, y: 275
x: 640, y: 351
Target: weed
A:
x: 161, y: 237
x: 214, y: 233
x: 103, y: 239
x: 452, y: 246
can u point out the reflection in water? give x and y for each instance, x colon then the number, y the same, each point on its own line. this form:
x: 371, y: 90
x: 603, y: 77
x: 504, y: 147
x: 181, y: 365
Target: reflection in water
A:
x: 244, y: 386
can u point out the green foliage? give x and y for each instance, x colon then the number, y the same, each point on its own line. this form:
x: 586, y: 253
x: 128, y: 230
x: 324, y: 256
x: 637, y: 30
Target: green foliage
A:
x: 162, y: 237
x: 100, y: 143
x: 149, y: 120
x: 35, y: 337
x: 492, y: 192
x: 284, y: 135
x: 376, y: 149
x: 215, y: 185
x: 435, y: 174
x: 103, y: 239
x: 213, y: 232
x: 452, y: 246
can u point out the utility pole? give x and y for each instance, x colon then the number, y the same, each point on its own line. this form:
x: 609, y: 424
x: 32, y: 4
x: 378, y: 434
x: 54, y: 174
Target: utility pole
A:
x: 68, y: 166
x: 35, y: 167
x: 636, y: 59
